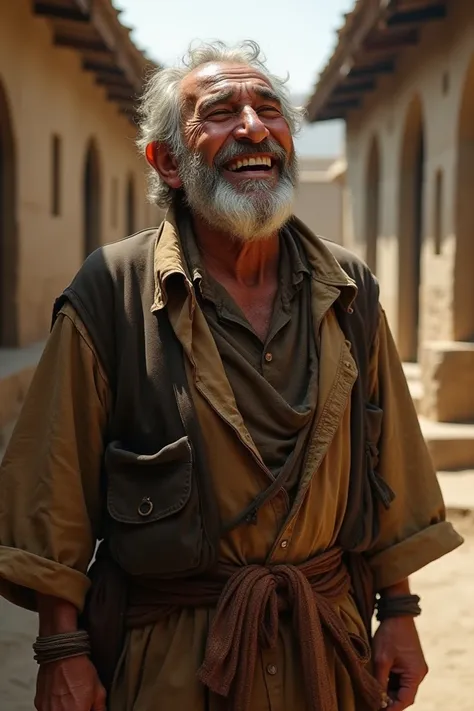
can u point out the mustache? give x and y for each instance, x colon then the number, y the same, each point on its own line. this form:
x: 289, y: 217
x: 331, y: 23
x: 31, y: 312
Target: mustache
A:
x: 236, y: 150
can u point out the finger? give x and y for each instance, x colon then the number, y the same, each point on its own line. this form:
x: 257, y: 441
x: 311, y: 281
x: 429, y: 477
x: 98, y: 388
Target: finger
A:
x: 382, y: 668
x: 406, y: 696
x: 100, y: 701
x: 41, y: 703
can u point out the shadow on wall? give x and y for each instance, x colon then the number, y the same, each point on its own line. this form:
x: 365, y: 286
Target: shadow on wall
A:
x: 319, y: 197
x: 8, y: 227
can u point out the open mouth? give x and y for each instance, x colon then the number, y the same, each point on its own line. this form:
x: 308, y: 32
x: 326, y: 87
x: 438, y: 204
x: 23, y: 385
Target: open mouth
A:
x: 253, y: 164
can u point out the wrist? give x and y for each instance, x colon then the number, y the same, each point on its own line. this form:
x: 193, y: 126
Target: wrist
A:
x: 397, y: 606
x: 56, y: 616
x: 400, y: 589
x: 57, y: 648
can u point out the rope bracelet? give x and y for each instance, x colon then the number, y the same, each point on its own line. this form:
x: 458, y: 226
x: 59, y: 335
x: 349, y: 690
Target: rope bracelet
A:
x: 61, y: 646
x: 399, y: 606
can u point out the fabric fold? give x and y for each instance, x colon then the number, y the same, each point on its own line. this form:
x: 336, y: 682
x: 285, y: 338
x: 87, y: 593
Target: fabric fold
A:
x: 249, y: 601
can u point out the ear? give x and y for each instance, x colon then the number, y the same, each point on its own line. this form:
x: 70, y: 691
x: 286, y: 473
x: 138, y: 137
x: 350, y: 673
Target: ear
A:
x: 160, y: 158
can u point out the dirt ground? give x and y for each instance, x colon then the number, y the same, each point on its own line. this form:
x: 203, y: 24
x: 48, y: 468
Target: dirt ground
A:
x: 446, y: 628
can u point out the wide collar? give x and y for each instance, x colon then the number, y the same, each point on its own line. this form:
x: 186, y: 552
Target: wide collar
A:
x: 170, y: 260
x: 325, y: 267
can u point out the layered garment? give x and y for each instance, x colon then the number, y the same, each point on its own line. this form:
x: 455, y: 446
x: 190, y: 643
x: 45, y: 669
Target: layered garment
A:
x: 257, y: 404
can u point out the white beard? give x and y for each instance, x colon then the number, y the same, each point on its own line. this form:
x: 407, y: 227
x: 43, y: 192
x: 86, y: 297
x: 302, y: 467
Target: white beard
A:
x: 253, y: 212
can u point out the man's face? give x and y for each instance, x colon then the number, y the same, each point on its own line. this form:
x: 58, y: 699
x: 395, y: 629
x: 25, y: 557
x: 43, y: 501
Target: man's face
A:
x: 239, y: 168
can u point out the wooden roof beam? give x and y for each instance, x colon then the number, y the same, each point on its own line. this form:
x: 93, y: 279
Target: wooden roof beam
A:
x: 85, y: 5
x: 369, y: 43
x: 337, y: 105
x: 113, y: 82
x: 418, y: 15
x: 102, y: 68
x: 387, y: 42
x: 126, y: 100
x: 402, y: 5
x: 336, y: 116
x: 81, y: 44
x: 385, y: 67
x: 59, y: 12
x: 354, y: 87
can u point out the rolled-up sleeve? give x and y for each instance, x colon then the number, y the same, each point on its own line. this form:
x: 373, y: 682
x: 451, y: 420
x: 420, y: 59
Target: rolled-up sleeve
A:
x: 50, y: 491
x: 413, y: 531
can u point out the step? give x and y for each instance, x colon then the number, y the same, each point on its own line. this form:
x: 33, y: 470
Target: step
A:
x: 447, y: 374
x: 413, y: 375
x: 17, y: 366
x: 412, y: 371
x: 451, y: 445
x: 5, y: 434
x: 458, y: 491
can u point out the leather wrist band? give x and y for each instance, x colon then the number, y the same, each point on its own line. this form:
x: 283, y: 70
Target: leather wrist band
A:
x: 399, y: 606
x: 61, y: 646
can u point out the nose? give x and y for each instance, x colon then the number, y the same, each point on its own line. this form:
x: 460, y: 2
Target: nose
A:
x: 251, y: 128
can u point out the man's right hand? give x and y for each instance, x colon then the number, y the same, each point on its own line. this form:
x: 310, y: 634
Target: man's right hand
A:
x: 69, y: 685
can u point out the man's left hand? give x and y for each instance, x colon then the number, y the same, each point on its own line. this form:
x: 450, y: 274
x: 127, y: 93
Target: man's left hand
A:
x: 397, y: 650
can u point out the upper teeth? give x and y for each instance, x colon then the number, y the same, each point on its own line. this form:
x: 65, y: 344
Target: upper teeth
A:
x: 250, y: 161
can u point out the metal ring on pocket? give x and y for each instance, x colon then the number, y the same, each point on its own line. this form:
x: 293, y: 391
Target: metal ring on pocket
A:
x: 146, y: 506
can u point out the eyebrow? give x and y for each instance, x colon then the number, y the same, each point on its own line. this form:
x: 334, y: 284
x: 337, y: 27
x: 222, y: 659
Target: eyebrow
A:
x: 266, y: 93
x: 220, y: 98
x: 223, y: 96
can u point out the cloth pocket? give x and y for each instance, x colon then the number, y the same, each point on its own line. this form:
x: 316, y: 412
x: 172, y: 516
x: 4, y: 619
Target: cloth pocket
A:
x: 154, y: 518
x: 380, y: 488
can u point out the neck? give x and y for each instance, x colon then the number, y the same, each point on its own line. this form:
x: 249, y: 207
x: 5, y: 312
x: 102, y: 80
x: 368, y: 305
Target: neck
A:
x: 249, y: 264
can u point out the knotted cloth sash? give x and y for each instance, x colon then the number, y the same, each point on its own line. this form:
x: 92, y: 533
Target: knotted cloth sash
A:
x: 248, y: 603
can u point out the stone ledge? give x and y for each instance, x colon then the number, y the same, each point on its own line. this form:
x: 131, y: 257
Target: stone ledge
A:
x: 451, y: 445
x: 447, y: 373
x: 413, y: 375
x: 17, y: 366
x: 458, y: 491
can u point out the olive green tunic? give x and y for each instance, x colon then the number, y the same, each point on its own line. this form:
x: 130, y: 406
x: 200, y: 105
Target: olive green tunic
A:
x: 275, y: 383
x: 50, y: 494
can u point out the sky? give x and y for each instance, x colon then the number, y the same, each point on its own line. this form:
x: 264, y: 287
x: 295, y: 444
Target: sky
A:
x: 297, y: 36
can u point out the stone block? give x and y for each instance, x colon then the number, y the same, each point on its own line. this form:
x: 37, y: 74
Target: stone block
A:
x: 447, y: 374
x: 451, y: 445
x: 17, y: 366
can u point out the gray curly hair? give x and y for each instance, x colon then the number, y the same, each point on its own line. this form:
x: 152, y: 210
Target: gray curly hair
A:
x: 160, y: 106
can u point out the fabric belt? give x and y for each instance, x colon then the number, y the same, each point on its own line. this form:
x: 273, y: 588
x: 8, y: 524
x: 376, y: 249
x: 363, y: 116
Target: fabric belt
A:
x: 249, y: 601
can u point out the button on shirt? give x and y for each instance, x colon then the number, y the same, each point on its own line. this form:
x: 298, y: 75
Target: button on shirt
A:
x: 274, y: 382
x: 60, y: 471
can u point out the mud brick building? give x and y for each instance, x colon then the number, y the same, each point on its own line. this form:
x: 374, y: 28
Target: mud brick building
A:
x: 402, y: 78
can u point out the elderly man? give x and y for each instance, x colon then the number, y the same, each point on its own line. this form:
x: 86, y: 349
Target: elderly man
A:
x: 221, y: 404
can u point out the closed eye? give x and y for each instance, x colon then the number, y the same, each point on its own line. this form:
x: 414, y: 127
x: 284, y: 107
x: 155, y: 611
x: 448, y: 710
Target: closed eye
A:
x: 220, y: 112
x: 269, y: 109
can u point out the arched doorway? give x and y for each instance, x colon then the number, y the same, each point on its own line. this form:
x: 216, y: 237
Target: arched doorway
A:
x: 92, y: 200
x: 130, y: 206
x: 464, y: 261
x: 410, y: 230
x: 8, y: 233
x: 372, y: 206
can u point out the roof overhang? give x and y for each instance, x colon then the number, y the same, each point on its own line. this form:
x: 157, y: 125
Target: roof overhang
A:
x: 374, y: 35
x: 93, y: 29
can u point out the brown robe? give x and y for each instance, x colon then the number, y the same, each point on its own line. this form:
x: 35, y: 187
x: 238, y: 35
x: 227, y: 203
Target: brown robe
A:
x: 50, y: 494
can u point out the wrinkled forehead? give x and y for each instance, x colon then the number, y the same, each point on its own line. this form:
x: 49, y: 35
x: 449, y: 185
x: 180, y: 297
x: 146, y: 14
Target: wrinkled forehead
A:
x: 215, y: 77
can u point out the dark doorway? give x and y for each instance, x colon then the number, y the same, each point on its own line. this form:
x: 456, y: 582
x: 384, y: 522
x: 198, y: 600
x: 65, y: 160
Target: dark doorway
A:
x: 372, y: 208
x: 130, y: 206
x: 92, y: 200
x: 464, y: 206
x: 410, y: 231
x: 8, y: 233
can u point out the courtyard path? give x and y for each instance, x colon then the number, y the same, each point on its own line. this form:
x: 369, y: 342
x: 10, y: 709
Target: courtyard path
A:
x: 446, y: 627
